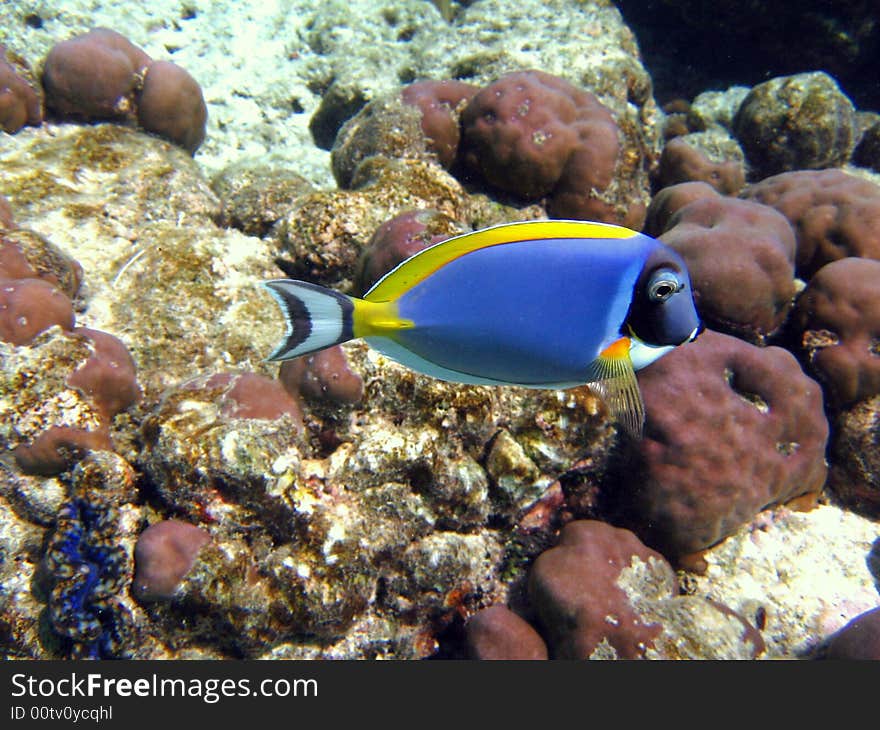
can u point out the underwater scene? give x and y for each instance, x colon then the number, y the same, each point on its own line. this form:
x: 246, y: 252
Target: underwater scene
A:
x: 410, y: 330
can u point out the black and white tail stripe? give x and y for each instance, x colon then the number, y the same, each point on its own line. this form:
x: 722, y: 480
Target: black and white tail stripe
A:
x: 316, y: 317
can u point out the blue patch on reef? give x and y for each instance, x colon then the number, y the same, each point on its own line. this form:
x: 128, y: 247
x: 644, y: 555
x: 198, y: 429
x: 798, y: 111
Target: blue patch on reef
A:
x: 89, y: 569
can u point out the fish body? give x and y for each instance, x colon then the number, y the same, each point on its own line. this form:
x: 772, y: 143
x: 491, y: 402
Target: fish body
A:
x: 538, y: 304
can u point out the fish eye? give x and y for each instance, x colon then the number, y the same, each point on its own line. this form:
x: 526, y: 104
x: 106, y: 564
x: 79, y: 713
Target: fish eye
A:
x: 663, y: 284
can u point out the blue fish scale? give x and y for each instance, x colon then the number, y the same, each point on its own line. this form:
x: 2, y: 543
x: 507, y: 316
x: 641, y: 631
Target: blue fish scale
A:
x: 88, y: 567
x: 499, y: 312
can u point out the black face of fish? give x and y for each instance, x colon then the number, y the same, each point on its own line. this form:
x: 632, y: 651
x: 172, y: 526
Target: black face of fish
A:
x: 662, y: 310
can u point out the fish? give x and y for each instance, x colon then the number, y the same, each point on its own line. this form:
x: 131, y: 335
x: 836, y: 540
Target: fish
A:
x: 552, y: 304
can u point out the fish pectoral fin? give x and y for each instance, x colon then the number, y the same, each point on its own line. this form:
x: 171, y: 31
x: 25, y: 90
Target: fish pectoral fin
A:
x: 613, y: 376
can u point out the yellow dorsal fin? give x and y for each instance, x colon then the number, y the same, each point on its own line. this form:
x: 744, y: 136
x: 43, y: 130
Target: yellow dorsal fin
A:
x: 423, y: 264
x: 613, y: 376
x: 370, y: 319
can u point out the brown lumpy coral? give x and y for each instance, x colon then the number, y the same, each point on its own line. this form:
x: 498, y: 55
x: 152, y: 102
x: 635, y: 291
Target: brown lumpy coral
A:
x: 600, y: 593
x: 25, y: 254
x: 730, y: 429
x: 669, y: 200
x: 108, y: 378
x: 107, y: 382
x: 440, y: 103
x: 498, y: 633
x: 796, y: 122
x: 94, y: 75
x: 47, y: 422
x: 101, y: 75
x: 57, y: 447
x: 29, y: 307
x: 19, y: 102
x: 535, y: 135
x: 684, y: 160
x: 837, y: 320
x: 519, y: 132
x: 740, y: 256
x: 325, y: 375
x: 834, y: 214
x: 397, y: 239
x: 859, y: 639
x: 171, y: 105
x: 163, y: 555
x: 248, y: 395
x: 573, y: 589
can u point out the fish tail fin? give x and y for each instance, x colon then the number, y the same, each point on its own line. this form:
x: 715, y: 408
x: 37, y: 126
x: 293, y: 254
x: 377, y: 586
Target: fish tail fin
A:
x: 316, y: 317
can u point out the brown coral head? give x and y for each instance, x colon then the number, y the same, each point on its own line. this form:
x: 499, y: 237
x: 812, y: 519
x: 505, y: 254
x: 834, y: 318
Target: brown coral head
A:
x: 171, y: 105
x: 323, y: 376
x: 19, y: 102
x: 397, y: 239
x: 498, y: 633
x: 519, y: 132
x: 573, y: 588
x: 249, y: 395
x: 93, y: 76
x: 108, y: 378
x: 164, y: 554
x: 29, y: 307
x: 59, y: 447
x: 837, y: 318
x: 731, y: 428
x: 440, y: 103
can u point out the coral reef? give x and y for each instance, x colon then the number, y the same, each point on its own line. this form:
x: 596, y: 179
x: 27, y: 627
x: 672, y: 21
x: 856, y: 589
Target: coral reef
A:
x: 354, y: 508
x: 163, y: 555
x: 536, y: 135
x: 730, y: 429
x: 859, y: 639
x: 399, y: 238
x: 834, y: 214
x: 102, y: 75
x: 837, y: 324
x: 702, y: 157
x: 19, y: 101
x: 854, y: 477
x: 740, y: 256
x: 795, y: 122
x: 498, y: 633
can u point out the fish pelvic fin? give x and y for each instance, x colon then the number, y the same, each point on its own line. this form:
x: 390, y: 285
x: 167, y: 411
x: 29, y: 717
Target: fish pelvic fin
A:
x: 613, y: 376
x: 316, y: 317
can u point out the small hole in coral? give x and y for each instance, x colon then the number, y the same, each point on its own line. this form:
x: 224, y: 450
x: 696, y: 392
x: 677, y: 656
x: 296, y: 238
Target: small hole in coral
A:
x: 32, y: 20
